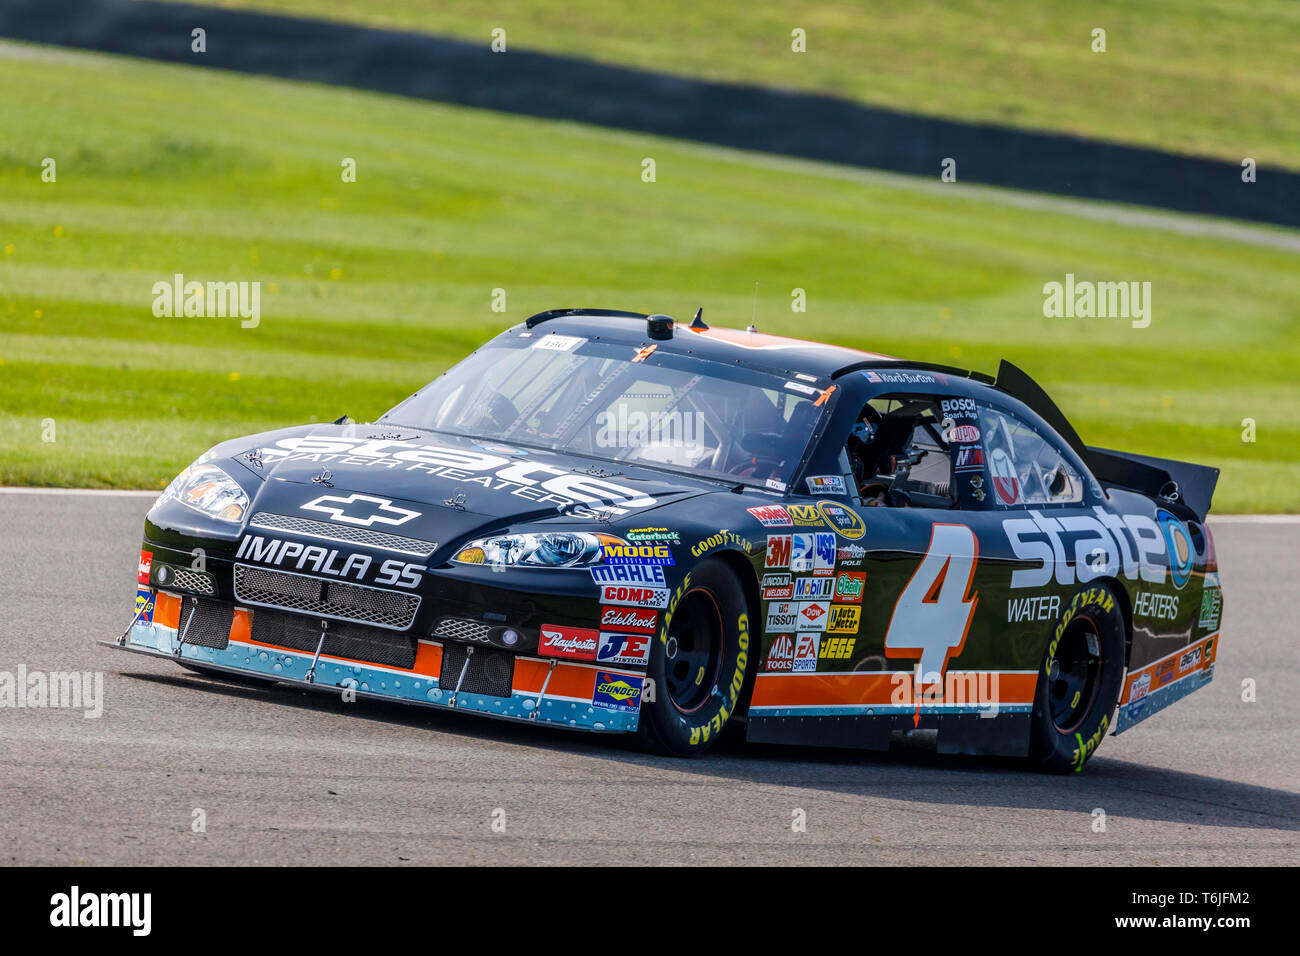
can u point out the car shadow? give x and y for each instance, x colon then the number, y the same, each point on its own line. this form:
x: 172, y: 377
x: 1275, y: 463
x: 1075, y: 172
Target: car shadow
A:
x: 908, y: 771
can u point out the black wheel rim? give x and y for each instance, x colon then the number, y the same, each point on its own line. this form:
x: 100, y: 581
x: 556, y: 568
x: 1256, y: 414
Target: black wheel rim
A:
x: 693, y: 654
x: 1072, y: 685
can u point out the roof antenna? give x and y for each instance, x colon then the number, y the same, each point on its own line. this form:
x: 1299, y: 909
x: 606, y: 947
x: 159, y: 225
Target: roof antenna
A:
x: 754, y: 316
x: 698, y: 321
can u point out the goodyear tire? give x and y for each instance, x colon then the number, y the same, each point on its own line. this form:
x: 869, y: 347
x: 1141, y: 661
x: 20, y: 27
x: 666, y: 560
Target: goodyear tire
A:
x: 697, y: 663
x: 1079, y: 681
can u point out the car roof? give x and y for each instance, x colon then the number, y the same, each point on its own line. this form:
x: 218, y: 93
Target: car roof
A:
x: 759, y: 350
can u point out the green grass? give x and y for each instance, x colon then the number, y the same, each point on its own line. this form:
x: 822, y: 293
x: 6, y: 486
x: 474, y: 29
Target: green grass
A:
x: 371, y: 288
x: 1211, y: 77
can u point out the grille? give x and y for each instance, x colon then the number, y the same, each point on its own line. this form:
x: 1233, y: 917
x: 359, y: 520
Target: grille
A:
x: 336, y: 600
x: 208, y: 623
x: 459, y: 629
x: 490, y: 672
x: 270, y: 521
x: 353, y: 641
x: 184, y: 579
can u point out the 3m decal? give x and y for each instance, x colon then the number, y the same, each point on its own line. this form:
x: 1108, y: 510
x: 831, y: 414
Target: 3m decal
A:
x: 933, y: 614
x: 778, y: 550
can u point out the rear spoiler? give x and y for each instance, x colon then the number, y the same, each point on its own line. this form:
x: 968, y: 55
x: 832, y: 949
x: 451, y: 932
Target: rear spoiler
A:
x: 1179, y: 481
x: 1189, y: 485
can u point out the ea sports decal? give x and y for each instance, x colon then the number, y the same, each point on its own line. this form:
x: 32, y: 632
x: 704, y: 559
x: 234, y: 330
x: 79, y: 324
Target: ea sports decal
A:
x: 805, y: 653
x: 1005, y: 482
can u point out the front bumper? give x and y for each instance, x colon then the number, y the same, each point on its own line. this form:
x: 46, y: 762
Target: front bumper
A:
x: 549, y: 691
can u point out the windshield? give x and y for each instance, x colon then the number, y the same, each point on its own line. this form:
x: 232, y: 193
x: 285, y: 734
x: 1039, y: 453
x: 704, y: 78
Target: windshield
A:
x: 621, y: 404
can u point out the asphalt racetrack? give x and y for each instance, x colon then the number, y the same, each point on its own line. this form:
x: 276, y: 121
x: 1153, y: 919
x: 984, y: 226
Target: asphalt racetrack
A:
x: 278, y: 776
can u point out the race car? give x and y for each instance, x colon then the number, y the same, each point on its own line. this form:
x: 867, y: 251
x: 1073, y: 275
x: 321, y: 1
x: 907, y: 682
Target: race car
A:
x: 614, y: 522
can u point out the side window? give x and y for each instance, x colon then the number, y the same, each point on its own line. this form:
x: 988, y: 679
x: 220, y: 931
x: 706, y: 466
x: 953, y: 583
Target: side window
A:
x: 899, y: 454
x: 1024, y: 466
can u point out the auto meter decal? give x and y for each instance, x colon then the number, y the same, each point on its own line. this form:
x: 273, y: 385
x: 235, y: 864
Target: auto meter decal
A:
x: 617, y: 691
x: 574, y: 643
x: 1005, y: 482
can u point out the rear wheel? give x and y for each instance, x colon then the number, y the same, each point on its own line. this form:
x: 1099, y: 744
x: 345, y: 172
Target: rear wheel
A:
x: 697, y: 663
x: 1079, y: 681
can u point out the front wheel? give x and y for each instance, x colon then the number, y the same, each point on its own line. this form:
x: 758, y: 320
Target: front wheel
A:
x: 1079, y: 681
x: 697, y: 664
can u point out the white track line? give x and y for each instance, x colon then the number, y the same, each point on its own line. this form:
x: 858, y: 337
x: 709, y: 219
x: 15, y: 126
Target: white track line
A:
x: 80, y: 491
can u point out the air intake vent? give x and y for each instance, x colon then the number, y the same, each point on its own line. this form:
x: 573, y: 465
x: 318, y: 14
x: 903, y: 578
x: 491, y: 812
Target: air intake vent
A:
x: 206, y: 623
x: 335, y: 600
x: 353, y: 641
x: 490, y: 672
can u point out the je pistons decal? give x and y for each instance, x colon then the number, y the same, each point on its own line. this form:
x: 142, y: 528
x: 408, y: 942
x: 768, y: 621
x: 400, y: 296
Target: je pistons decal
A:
x: 659, y: 554
x: 623, y: 648
x: 620, y: 692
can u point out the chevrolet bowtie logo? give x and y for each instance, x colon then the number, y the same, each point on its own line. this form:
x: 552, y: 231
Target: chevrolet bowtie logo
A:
x: 358, y: 509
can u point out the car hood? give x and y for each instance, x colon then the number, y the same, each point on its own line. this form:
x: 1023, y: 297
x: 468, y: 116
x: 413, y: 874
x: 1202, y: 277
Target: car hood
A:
x: 441, y: 487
